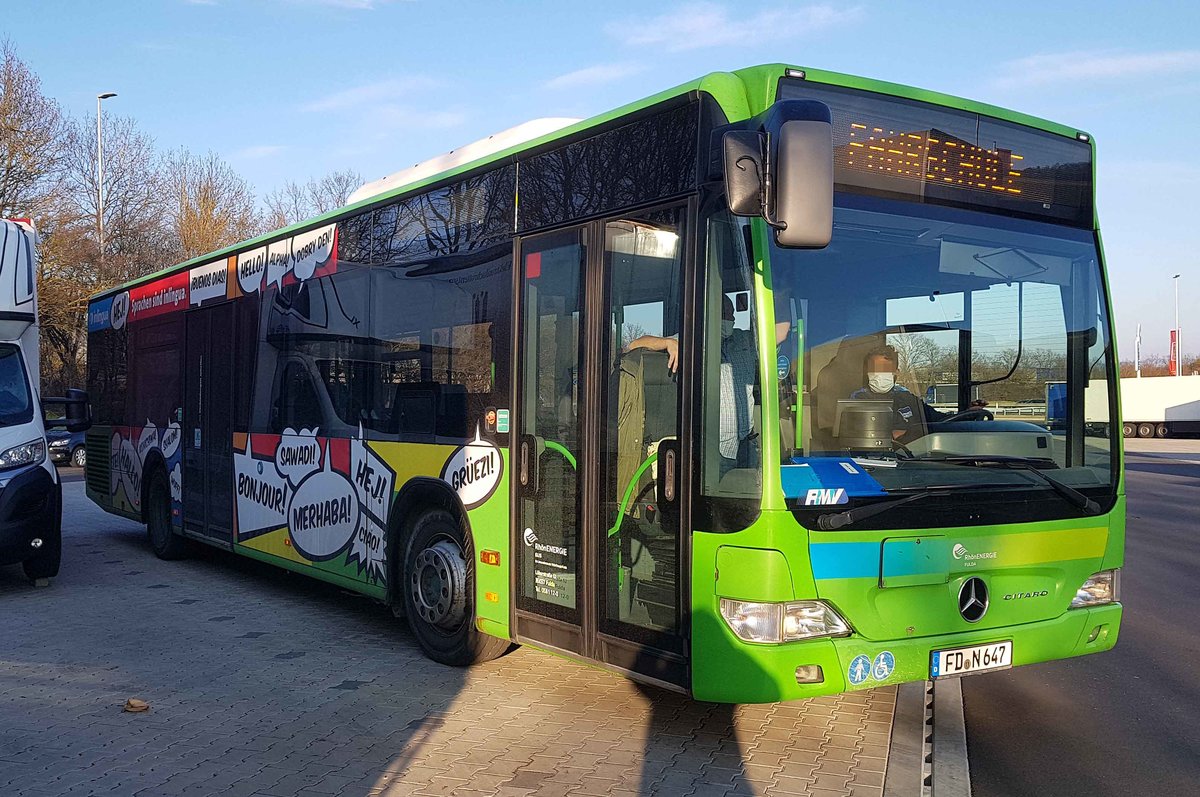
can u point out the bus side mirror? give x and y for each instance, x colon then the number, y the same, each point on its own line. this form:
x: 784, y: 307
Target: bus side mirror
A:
x: 744, y: 172
x: 78, y: 408
x: 783, y: 172
x: 804, y: 184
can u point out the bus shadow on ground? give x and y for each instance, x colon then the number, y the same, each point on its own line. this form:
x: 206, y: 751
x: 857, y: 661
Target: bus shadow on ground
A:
x: 265, y: 680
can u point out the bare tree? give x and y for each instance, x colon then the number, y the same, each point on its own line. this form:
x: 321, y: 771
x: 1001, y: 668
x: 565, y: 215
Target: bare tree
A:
x: 211, y: 206
x: 31, y: 132
x: 294, y: 202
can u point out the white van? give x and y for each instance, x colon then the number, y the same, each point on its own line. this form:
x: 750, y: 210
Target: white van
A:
x: 30, y: 490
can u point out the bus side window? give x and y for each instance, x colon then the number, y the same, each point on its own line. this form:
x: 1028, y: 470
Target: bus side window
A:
x: 296, y: 405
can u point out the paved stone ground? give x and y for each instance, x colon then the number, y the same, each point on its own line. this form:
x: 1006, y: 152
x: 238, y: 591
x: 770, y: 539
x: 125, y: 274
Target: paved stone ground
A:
x: 265, y: 683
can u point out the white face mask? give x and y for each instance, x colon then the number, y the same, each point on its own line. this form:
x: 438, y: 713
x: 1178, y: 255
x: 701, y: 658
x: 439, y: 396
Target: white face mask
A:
x: 882, y: 382
x: 726, y: 328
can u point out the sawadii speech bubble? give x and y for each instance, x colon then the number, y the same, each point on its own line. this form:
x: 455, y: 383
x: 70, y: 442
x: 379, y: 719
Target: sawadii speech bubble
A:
x: 323, y: 514
x: 298, y: 454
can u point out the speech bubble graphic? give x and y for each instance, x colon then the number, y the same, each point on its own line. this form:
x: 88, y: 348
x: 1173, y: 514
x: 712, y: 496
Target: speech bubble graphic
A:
x: 177, y: 482
x: 148, y: 440
x: 114, y: 463
x: 474, y: 470
x: 323, y: 515
x: 170, y: 439
x: 374, y: 482
x: 297, y: 455
x: 131, y: 472
x: 207, y: 282
x: 311, y: 250
x: 262, y: 495
x: 279, y: 261
x: 119, y: 311
x: 250, y: 268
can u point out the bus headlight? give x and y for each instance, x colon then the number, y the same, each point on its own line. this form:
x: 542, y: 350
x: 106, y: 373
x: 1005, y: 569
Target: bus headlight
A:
x: 30, y: 453
x: 782, y: 622
x: 1100, y: 588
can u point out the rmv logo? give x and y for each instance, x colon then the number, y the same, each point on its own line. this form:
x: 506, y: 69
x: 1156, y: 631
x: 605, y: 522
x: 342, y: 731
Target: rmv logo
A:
x: 824, y: 497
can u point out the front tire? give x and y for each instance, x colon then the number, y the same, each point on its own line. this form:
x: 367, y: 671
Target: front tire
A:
x: 166, y: 543
x: 79, y: 457
x: 438, y: 587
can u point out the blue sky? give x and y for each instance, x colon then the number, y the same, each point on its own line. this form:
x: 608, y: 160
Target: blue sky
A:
x: 288, y: 89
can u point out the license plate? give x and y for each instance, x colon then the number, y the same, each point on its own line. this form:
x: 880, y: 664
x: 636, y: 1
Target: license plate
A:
x: 968, y: 661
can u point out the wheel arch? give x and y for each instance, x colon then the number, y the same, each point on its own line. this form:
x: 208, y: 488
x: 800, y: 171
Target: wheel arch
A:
x: 154, y: 461
x: 416, y: 496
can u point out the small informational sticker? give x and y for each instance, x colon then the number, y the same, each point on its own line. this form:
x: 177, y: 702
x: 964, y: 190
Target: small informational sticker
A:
x: 502, y: 421
x: 863, y: 669
x: 859, y: 670
x: 783, y: 366
x: 883, y: 666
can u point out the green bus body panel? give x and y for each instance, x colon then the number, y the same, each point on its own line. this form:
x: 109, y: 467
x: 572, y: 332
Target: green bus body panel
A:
x: 909, y: 621
x: 753, y: 574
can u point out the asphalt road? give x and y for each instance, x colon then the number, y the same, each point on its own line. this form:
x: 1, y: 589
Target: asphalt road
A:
x: 1126, y: 721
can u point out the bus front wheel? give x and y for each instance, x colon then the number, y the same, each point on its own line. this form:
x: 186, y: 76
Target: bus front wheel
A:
x: 438, y: 585
x: 163, y: 539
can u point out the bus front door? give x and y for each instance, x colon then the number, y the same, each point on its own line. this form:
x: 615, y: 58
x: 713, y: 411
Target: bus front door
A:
x: 599, y: 470
x: 208, y: 423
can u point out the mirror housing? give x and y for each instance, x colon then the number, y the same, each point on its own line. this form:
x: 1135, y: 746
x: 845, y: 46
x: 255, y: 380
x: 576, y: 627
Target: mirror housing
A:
x: 783, y: 170
x: 78, y: 411
x: 744, y: 159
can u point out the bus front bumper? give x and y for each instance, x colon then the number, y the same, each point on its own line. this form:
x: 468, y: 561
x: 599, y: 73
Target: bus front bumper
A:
x: 732, y: 671
x: 28, y: 511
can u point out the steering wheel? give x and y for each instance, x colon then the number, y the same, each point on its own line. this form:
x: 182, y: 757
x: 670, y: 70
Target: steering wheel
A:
x: 973, y: 414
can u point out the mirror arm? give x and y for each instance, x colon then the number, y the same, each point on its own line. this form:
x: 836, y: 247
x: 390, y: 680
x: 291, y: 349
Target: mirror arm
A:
x: 768, y: 192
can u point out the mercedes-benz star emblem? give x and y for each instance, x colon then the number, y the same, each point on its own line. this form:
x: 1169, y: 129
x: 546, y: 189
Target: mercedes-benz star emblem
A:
x: 973, y: 600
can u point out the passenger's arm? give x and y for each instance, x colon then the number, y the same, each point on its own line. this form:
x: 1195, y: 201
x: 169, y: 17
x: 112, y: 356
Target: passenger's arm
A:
x: 655, y: 343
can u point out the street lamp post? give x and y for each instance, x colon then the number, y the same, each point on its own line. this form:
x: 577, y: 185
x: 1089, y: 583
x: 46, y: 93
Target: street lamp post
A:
x: 1178, y: 342
x: 100, y: 171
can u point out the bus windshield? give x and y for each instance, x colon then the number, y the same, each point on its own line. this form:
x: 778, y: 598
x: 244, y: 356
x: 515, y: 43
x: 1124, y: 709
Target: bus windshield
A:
x: 944, y: 348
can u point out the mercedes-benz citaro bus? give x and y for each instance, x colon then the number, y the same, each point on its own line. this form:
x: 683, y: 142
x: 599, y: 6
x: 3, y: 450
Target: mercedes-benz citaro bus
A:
x: 643, y: 391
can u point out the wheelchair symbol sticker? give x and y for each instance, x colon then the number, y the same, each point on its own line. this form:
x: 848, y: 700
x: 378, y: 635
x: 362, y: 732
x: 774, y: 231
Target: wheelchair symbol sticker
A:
x: 883, y: 666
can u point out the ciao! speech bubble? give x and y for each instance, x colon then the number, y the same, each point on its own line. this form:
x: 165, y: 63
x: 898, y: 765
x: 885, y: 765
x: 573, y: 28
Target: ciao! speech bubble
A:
x: 474, y: 470
x: 298, y: 454
x: 323, y: 514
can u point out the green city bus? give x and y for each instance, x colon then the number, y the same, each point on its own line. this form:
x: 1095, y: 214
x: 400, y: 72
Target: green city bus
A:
x: 644, y: 391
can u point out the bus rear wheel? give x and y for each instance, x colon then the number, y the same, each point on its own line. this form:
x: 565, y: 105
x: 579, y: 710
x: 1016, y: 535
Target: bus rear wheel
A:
x: 438, y: 587
x: 166, y: 543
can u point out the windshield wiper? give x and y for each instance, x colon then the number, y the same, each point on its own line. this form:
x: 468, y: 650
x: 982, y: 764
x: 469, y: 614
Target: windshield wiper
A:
x: 1032, y: 465
x: 836, y: 520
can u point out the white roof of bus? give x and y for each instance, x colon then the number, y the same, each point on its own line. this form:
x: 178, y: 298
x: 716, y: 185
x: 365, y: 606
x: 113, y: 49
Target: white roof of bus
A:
x: 496, y: 142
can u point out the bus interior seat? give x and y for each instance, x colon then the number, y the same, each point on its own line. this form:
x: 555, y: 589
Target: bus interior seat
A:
x: 430, y: 408
x: 841, y: 376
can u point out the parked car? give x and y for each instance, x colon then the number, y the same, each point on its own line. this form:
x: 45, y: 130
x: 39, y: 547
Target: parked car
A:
x: 66, y: 446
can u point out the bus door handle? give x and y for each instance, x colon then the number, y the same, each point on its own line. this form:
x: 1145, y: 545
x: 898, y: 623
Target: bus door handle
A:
x: 528, y: 463
x: 668, y: 472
